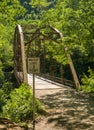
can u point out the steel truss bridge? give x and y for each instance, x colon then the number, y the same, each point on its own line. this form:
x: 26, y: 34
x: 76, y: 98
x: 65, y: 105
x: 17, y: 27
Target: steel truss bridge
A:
x: 34, y: 41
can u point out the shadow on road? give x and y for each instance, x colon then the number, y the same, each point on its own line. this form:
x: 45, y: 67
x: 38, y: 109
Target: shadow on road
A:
x: 70, y: 109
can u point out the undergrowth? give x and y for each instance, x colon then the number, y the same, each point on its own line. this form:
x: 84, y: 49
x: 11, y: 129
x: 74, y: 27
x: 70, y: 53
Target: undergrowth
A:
x: 18, y: 107
x: 88, y: 82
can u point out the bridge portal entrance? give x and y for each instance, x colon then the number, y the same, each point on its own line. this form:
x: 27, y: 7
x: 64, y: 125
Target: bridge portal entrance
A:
x: 45, y: 42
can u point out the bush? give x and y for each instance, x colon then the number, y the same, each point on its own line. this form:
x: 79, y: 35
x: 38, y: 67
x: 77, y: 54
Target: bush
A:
x: 3, y: 98
x: 1, y: 75
x: 19, y: 107
x: 5, y: 90
x: 7, y: 87
x: 88, y: 82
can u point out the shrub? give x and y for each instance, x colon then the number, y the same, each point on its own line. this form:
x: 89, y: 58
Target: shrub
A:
x: 88, y: 82
x: 1, y: 75
x: 3, y: 98
x: 7, y: 87
x: 19, y: 107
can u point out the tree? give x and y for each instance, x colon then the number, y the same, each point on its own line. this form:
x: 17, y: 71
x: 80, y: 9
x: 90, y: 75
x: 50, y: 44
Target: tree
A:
x: 74, y: 18
x: 10, y: 11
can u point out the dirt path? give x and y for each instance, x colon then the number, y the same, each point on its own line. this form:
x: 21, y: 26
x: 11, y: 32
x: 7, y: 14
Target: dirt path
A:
x: 6, y: 124
x: 68, y: 110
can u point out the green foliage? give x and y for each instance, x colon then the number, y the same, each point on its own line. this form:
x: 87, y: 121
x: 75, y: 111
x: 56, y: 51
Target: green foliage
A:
x: 10, y: 11
x: 74, y: 18
x: 88, y: 82
x: 19, y: 106
x: 6, y: 52
x: 7, y: 87
x: 6, y: 55
x: 1, y: 75
x: 3, y: 98
x: 39, y: 3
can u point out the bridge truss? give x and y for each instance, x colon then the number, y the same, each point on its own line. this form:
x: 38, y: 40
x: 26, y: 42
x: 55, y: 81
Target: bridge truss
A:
x: 34, y: 41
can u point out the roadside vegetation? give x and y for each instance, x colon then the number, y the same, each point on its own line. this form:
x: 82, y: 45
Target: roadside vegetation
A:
x: 17, y: 105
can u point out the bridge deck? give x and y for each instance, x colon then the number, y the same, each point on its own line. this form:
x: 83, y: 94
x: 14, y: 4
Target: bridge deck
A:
x: 43, y: 83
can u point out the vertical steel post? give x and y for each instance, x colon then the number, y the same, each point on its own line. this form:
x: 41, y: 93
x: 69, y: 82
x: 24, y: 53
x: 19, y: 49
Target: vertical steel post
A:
x: 75, y: 77
x: 33, y: 101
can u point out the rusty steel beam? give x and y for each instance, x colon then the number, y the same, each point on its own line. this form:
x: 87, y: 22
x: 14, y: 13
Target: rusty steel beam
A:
x: 75, y: 77
x: 19, y: 40
x: 23, y: 54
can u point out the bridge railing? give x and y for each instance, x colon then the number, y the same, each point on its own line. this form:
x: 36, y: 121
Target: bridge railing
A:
x: 57, y: 79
